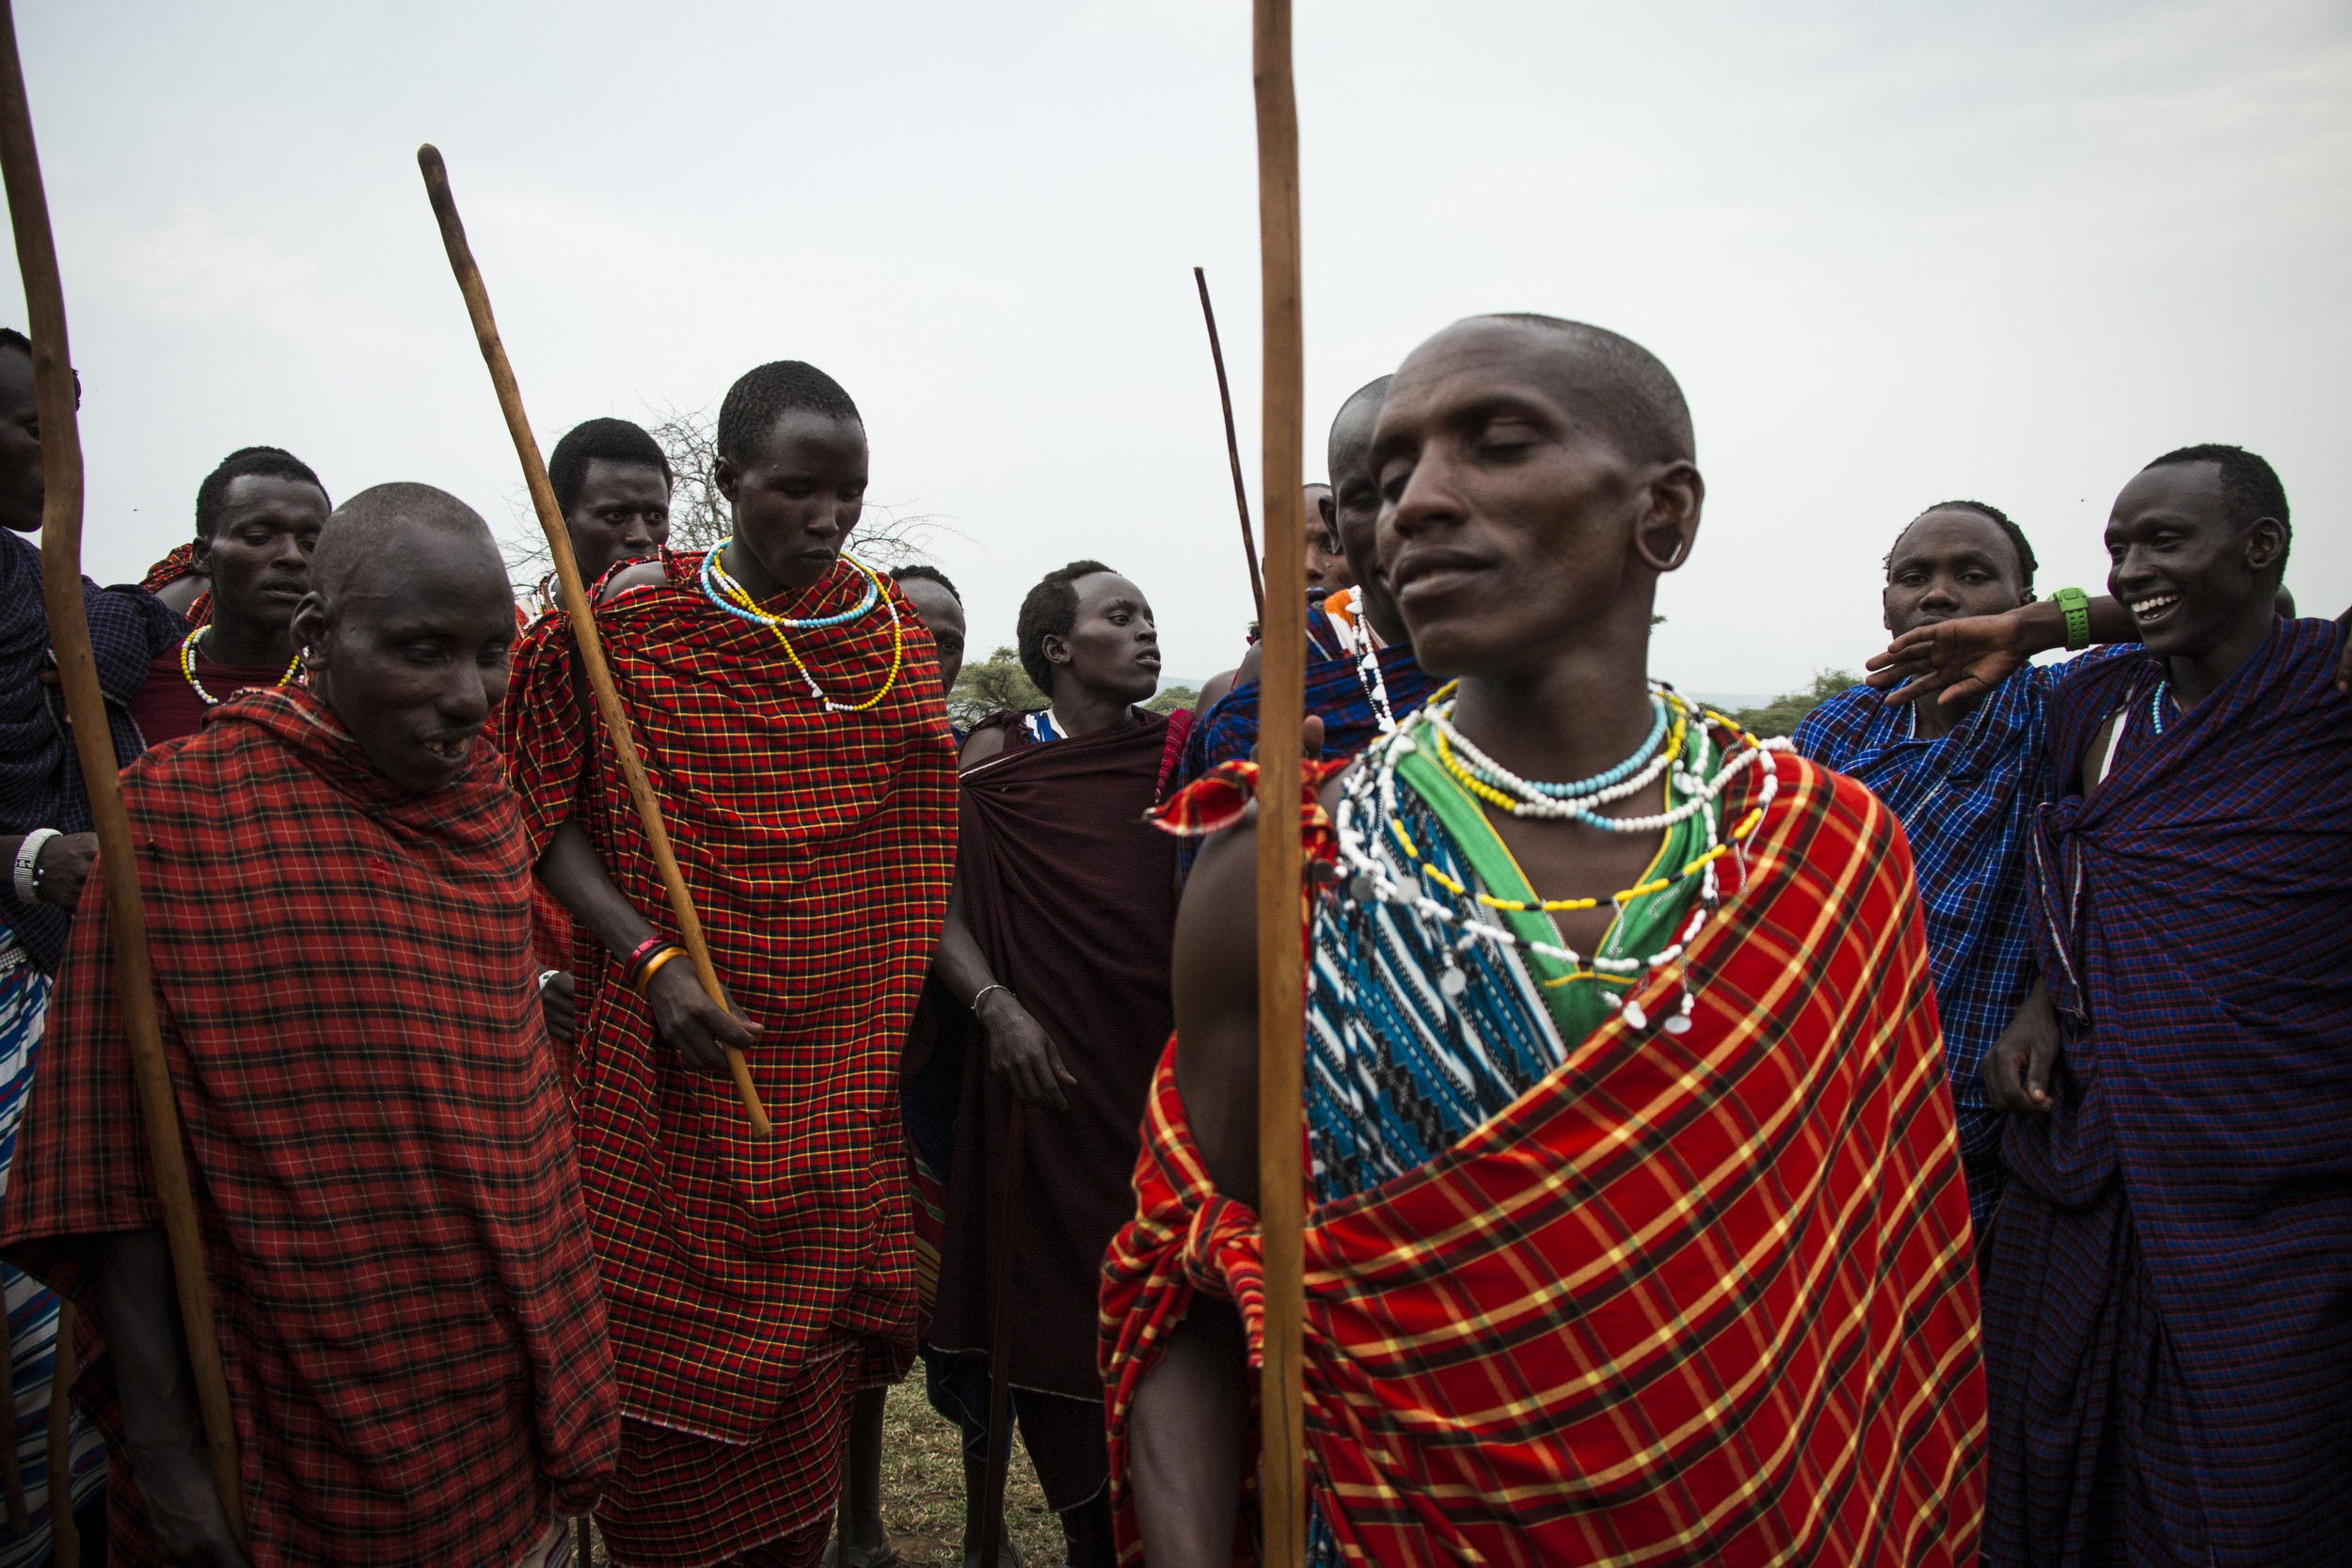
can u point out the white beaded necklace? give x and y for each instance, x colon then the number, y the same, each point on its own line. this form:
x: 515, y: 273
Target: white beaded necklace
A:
x: 1371, y: 789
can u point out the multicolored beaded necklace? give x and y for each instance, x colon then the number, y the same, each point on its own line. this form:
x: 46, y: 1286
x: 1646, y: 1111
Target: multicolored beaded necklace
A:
x: 1369, y: 797
x: 729, y: 595
x: 1359, y: 641
x: 187, y: 666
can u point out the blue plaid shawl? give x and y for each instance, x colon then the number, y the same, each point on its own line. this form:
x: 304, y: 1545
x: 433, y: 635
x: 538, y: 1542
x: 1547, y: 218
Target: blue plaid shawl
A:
x: 1334, y: 690
x: 1967, y: 802
x: 2166, y: 1326
x: 40, y: 785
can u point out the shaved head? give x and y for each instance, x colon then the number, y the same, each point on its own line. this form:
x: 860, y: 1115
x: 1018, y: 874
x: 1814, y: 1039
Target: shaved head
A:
x: 406, y: 630
x: 1618, y: 386
x: 380, y: 535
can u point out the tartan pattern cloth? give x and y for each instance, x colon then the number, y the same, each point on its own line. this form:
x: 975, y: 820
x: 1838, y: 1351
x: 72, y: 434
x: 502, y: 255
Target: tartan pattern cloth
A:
x: 817, y: 847
x: 404, y: 1294
x: 2196, y: 1170
x: 1694, y: 1299
x: 1967, y: 802
x: 41, y: 780
x: 1335, y: 690
x: 179, y: 563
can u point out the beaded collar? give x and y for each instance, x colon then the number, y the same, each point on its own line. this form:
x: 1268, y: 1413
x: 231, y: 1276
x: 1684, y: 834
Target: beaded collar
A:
x: 729, y: 595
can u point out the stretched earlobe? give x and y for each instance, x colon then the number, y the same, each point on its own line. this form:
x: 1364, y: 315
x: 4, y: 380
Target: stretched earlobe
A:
x: 1676, y: 537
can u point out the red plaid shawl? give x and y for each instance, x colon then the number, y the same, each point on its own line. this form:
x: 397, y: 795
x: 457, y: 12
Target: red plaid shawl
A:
x: 399, y: 1259
x: 1692, y: 1300
x: 179, y: 563
x: 818, y: 848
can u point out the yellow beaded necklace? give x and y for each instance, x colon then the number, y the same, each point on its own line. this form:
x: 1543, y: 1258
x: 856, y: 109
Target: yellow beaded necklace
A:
x: 187, y: 667
x: 749, y: 609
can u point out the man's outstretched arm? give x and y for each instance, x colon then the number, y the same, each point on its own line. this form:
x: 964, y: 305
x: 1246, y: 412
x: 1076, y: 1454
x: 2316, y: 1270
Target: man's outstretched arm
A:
x: 1968, y: 656
x: 161, y: 1426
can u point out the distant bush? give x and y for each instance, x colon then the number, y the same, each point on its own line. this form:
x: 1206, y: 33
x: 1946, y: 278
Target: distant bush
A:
x: 1782, y: 715
x: 985, y: 687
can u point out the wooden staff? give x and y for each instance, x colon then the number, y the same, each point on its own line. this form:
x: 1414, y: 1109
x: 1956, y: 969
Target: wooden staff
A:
x: 65, y: 1536
x: 1000, y: 1351
x: 1281, y: 696
x: 1232, y: 453
x: 93, y: 741
x: 584, y: 619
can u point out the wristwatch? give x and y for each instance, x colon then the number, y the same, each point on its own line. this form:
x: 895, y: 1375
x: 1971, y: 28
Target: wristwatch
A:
x: 2075, y: 605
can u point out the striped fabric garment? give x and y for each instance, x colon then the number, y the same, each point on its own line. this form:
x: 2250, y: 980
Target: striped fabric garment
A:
x: 742, y: 1274
x: 1967, y: 802
x: 405, y: 1293
x: 32, y: 1307
x: 1692, y: 1299
x: 2170, y: 1349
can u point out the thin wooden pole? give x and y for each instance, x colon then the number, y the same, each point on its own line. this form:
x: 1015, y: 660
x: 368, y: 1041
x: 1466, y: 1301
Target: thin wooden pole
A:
x: 1000, y: 1351
x: 11, y: 1475
x: 584, y: 619
x: 93, y: 741
x: 1232, y: 451
x: 65, y: 1536
x: 1281, y: 704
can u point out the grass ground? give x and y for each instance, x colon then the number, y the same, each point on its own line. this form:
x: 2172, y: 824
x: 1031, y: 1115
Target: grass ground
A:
x: 923, y: 1490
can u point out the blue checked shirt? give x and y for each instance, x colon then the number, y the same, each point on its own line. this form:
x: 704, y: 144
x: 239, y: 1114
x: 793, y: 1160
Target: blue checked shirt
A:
x: 1967, y: 802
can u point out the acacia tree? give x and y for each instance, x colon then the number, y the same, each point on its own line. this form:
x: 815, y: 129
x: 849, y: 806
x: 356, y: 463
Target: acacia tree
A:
x: 989, y: 685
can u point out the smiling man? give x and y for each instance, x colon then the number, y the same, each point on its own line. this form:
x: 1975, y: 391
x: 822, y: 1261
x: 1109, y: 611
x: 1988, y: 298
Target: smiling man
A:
x: 785, y: 701
x: 258, y: 518
x: 384, y: 1175
x: 1966, y: 775
x: 1635, y: 1226
x: 1057, y: 941
x: 2166, y: 1327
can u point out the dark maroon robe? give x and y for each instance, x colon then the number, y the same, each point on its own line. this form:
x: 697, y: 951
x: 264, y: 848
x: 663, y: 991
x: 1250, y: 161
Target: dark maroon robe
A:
x: 1073, y: 899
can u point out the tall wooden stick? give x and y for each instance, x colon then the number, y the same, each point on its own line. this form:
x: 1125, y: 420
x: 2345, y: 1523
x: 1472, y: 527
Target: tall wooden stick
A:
x: 65, y: 1536
x: 93, y: 741
x: 1233, y: 452
x: 1000, y: 1352
x: 1281, y: 702
x: 584, y: 619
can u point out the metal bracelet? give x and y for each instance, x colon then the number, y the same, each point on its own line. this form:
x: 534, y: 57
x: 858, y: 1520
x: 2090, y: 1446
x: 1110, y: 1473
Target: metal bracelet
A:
x: 28, y: 863
x: 974, y: 1006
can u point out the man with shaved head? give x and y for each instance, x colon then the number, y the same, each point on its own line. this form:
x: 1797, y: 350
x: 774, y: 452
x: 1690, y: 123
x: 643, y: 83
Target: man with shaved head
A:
x: 1361, y: 673
x: 338, y: 886
x: 1636, y: 1229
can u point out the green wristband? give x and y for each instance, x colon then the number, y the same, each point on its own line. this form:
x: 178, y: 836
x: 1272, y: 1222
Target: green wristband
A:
x: 2075, y: 605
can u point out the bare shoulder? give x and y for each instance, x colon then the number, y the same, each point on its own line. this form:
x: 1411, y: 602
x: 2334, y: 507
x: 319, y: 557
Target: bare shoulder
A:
x: 1248, y: 671
x: 981, y: 745
x: 645, y: 574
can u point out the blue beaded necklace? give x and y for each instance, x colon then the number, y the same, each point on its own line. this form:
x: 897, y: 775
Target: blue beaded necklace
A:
x: 2155, y: 706
x: 1600, y: 781
x: 722, y: 591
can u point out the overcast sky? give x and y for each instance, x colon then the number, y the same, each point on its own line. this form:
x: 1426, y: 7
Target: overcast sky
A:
x: 2006, y: 252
